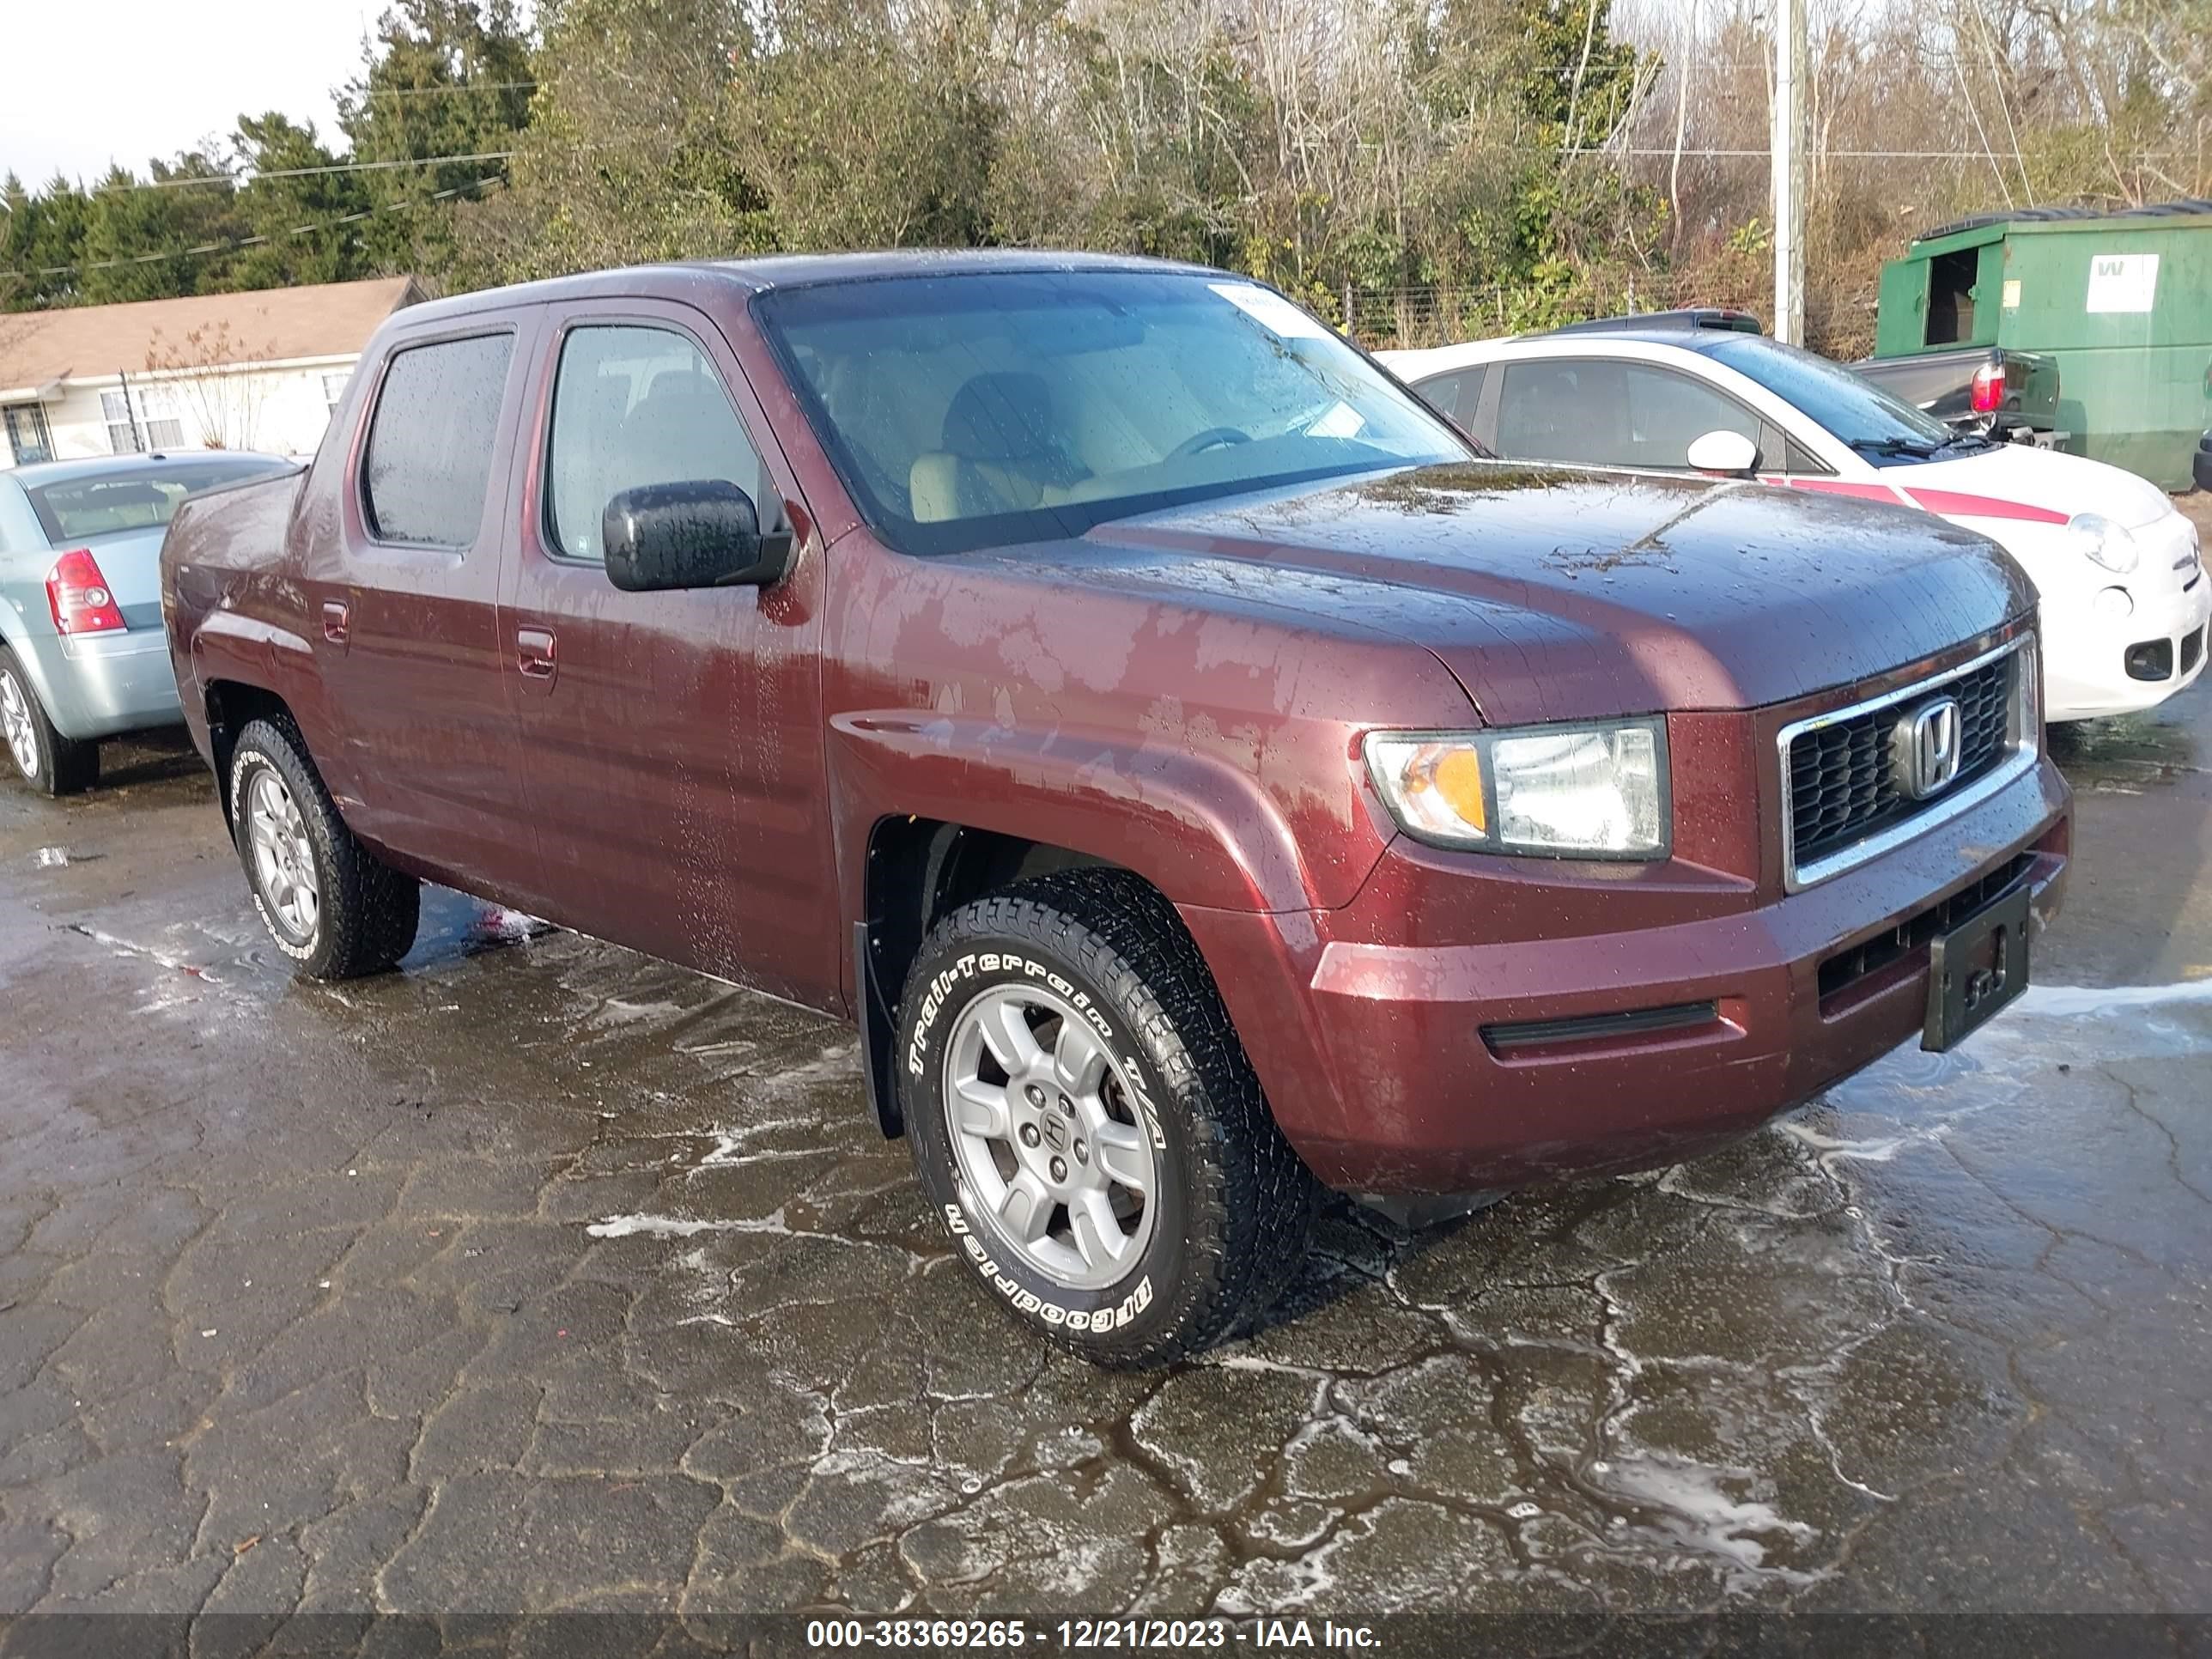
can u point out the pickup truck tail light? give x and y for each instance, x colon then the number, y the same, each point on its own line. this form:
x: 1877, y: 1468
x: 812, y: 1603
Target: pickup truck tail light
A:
x: 1989, y: 392
x: 79, y: 596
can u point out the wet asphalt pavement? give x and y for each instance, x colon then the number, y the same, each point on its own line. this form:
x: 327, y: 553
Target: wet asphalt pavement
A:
x: 538, y: 1275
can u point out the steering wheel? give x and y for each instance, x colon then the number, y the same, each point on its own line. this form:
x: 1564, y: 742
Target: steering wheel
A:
x: 1212, y: 437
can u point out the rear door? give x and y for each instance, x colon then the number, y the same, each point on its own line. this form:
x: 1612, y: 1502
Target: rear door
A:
x: 674, y: 740
x: 404, y: 613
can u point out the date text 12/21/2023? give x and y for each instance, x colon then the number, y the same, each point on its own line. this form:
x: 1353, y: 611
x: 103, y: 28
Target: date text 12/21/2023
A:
x: 1085, y: 1635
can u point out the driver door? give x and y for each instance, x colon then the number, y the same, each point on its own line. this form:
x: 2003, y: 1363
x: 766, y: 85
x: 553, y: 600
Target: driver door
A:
x: 673, y: 741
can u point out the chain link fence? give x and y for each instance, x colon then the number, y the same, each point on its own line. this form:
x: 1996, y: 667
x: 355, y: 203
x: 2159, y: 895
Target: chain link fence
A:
x: 1839, y: 320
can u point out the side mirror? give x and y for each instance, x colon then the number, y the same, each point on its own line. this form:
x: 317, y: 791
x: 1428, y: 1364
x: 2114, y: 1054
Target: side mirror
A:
x: 701, y: 532
x: 1730, y: 454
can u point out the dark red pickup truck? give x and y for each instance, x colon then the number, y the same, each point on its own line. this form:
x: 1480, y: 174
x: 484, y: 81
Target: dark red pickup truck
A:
x: 1197, y: 773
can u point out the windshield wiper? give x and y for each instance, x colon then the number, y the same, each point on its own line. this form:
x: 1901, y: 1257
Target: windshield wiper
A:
x: 1972, y: 443
x: 1896, y: 447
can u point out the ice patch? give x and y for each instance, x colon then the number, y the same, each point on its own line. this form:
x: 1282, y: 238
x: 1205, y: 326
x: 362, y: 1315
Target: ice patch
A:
x: 1696, y: 1514
x: 2074, y: 1001
x: 669, y: 1226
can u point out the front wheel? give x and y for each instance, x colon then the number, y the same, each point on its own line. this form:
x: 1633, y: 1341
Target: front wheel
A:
x: 1088, y: 1125
x: 327, y: 901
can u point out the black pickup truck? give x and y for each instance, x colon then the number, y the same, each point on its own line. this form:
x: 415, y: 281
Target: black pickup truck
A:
x: 1983, y: 389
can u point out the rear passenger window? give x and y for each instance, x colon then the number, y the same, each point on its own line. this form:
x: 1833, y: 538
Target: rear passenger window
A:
x: 429, y: 442
x: 637, y: 406
x: 1456, y: 393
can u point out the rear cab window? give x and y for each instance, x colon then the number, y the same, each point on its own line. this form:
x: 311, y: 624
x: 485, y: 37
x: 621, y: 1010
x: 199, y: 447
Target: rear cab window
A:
x: 426, y: 466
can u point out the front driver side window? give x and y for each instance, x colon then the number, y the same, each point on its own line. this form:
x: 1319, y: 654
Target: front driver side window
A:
x: 632, y: 405
x: 1668, y: 411
x: 1562, y: 410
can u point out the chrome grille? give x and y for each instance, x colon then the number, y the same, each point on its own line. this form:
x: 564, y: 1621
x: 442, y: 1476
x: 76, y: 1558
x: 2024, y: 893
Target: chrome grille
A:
x: 1840, y: 774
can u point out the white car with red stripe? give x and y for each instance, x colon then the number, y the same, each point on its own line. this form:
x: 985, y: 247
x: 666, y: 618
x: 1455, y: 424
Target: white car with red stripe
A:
x: 2126, y: 605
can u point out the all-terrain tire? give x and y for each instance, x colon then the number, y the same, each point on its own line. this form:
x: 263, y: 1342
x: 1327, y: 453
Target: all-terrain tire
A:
x: 1235, y: 1203
x: 367, y: 912
x: 54, y: 765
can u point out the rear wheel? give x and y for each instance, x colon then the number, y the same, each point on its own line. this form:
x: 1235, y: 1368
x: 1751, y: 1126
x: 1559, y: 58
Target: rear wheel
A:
x: 328, y: 903
x: 1087, y: 1124
x: 43, y: 757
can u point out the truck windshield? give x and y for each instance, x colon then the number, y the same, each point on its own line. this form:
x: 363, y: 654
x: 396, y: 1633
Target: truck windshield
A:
x: 975, y: 410
x: 1857, y: 412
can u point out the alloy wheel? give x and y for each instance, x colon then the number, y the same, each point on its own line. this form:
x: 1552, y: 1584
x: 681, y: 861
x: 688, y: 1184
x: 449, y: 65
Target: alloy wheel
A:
x: 16, y: 724
x: 1049, y: 1138
x: 283, y: 861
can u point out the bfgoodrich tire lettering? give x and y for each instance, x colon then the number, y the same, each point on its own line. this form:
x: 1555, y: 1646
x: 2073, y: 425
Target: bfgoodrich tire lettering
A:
x: 291, y: 841
x: 1210, y: 1246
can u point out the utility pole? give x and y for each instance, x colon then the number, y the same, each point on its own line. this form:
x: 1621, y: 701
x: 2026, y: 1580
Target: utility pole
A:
x: 1790, y: 135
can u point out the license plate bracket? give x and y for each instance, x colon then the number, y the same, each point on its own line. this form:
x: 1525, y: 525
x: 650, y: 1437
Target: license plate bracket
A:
x: 1975, y: 970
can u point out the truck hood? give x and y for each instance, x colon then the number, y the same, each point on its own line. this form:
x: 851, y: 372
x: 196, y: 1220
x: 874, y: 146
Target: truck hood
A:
x: 1563, y: 595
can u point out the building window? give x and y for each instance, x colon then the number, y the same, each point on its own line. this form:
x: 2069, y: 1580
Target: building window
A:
x: 122, y: 430
x: 27, y: 434
x: 162, y: 418
x: 334, y: 387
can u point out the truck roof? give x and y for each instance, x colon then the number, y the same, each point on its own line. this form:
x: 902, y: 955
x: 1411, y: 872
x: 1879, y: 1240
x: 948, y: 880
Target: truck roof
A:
x: 787, y: 271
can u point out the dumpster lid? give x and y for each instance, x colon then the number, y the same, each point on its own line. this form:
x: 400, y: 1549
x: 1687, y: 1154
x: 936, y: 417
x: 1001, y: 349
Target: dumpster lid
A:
x: 2186, y: 207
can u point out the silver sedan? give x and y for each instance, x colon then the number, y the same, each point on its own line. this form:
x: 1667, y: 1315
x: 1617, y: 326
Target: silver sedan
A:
x: 82, y: 653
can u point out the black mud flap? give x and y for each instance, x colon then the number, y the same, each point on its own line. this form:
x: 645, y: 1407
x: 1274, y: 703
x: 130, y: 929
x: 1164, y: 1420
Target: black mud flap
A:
x: 875, y: 1037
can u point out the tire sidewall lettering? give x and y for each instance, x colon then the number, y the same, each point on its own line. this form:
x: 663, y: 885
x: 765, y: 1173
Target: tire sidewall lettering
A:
x: 242, y: 766
x: 1038, y: 1302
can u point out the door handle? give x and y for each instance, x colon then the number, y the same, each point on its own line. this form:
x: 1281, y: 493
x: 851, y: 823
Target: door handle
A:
x: 534, y: 652
x: 337, y: 628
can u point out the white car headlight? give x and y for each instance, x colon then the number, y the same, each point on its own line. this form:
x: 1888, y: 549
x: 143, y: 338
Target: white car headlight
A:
x: 1597, y: 791
x: 2108, y: 543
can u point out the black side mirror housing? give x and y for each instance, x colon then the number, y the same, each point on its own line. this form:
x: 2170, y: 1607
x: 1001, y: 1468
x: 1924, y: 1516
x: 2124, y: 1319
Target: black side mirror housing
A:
x: 699, y: 533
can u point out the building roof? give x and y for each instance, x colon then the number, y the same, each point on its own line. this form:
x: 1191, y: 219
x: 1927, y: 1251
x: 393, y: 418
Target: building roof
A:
x: 276, y: 325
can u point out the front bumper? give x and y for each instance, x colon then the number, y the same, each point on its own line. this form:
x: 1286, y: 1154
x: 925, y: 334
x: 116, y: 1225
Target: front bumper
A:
x: 1398, y: 1067
x: 2086, y: 655
x: 97, y: 685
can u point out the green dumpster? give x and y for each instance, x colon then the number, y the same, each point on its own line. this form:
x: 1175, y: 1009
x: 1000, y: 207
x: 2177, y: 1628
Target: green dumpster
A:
x: 2123, y: 301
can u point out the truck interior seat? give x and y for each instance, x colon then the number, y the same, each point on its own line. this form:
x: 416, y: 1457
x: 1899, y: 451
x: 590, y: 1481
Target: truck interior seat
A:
x: 1000, y: 452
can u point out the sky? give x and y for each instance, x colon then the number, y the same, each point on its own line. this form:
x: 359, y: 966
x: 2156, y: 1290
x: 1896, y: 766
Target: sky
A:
x: 83, y: 83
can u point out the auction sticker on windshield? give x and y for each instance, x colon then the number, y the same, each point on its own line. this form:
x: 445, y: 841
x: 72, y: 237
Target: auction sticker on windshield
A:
x: 1270, y: 310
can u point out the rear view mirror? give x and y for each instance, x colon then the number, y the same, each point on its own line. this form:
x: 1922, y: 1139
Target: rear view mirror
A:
x: 701, y: 532
x: 1729, y: 454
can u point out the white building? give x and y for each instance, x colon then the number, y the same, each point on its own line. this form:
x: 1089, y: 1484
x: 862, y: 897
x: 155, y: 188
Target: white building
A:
x: 214, y: 371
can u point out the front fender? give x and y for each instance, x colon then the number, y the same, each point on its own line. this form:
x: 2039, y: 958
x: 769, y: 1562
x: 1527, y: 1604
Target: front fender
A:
x: 1201, y: 830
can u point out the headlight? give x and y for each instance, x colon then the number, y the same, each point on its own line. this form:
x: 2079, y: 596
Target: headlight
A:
x: 1553, y: 791
x: 2108, y: 543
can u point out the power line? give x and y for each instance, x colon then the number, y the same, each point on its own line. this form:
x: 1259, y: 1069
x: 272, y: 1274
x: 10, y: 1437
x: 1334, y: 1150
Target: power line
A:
x: 432, y: 92
x: 238, y: 244
x: 251, y: 174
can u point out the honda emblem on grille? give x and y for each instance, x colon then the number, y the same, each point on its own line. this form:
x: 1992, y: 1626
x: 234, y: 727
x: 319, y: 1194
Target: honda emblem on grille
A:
x: 1926, y: 748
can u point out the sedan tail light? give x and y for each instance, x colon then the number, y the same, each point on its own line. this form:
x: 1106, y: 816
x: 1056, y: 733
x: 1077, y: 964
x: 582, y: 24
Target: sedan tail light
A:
x: 1988, y: 391
x: 79, y: 596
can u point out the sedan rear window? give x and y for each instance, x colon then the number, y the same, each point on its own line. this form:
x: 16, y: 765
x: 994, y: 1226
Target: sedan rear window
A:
x: 118, y: 503
x: 983, y: 411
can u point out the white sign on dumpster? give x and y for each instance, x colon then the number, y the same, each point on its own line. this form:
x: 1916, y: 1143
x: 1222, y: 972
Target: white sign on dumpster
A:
x: 2122, y: 281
